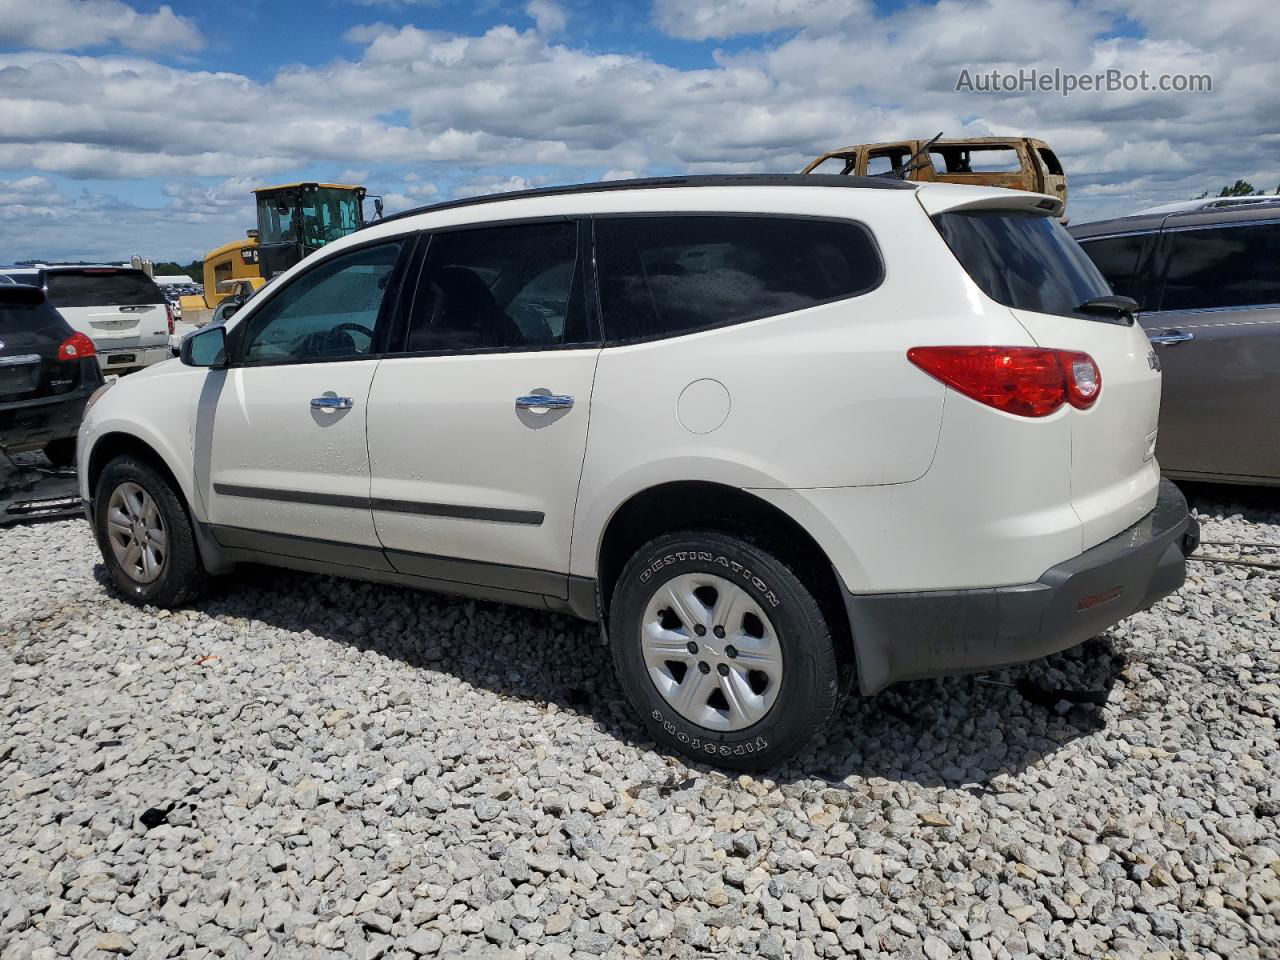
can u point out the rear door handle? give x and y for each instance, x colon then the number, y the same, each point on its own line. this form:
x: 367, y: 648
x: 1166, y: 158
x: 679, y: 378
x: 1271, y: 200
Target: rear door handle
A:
x: 1172, y: 336
x: 540, y: 401
x: 332, y: 403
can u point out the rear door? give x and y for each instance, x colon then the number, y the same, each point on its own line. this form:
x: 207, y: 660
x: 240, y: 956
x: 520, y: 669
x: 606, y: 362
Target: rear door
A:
x: 478, y: 428
x: 1027, y: 261
x: 118, y: 308
x: 1217, y: 333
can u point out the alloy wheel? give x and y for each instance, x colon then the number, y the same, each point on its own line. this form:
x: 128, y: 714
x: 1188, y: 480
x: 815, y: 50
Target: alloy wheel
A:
x: 136, y: 531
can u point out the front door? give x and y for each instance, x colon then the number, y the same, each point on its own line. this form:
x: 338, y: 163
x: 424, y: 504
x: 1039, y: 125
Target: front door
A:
x: 477, y: 430
x: 281, y: 453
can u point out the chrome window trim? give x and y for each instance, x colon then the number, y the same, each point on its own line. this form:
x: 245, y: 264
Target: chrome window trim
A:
x: 1261, y: 221
x: 1191, y: 310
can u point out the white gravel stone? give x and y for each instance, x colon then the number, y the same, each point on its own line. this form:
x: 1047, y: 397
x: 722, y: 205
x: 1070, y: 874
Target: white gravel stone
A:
x: 304, y: 767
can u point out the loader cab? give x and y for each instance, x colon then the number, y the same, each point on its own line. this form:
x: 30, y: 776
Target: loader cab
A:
x: 299, y: 218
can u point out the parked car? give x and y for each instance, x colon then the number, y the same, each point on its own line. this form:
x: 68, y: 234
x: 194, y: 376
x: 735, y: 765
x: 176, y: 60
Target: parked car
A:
x: 805, y: 468
x: 1208, y: 285
x: 121, y: 309
x: 1017, y: 163
x: 47, y: 372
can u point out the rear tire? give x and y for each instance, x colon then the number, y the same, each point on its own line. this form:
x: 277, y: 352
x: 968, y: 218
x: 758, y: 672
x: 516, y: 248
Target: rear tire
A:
x: 723, y: 650
x: 61, y: 453
x: 144, y: 532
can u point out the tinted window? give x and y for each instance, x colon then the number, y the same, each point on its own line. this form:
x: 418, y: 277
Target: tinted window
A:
x: 22, y: 312
x: 101, y: 288
x: 1023, y: 260
x: 663, y: 276
x: 1117, y: 258
x: 330, y: 311
x: 513, y: 287
x: 1224, y: 267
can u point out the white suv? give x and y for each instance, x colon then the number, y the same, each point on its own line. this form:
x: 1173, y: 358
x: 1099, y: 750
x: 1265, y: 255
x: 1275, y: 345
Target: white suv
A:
x: 779, y: 434
x: 121, y: 309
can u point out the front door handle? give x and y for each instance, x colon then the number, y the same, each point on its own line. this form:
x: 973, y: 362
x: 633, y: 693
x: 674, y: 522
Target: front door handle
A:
x: 332, y: 403
x: 544, y: 401
x: 1172, y: 336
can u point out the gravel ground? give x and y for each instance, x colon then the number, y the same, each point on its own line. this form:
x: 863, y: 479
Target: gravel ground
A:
x: 305, y: 767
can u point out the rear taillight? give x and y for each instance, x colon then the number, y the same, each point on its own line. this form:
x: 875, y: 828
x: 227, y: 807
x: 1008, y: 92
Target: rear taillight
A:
x: 76, y: 346
x: 1025, y: 381
x: 168, y: 310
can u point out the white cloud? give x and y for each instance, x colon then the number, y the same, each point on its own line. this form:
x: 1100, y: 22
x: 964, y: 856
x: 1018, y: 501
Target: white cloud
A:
x: 460, y: 113
x: 717, y: 19
x: 548, y: 15
x: 80, y: 24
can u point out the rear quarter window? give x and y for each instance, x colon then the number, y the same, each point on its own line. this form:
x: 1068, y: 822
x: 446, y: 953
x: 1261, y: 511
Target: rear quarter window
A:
x: 1118, y: 258
x: 119, y: 288
x: 668, y: 275
x: 1024, y: 260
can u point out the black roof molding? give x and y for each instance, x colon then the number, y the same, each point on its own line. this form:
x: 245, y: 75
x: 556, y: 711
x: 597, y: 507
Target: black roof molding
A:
x: 1150, y: 222
x: 657, y: 183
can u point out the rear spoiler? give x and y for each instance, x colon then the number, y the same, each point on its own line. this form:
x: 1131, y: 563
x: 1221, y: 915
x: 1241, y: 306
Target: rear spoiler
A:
x: 946, y: 197
x: 20, y: 295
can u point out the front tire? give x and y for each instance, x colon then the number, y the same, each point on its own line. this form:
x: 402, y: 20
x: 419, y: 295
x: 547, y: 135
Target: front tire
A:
x: 144, y: 533
x: 723, y: 650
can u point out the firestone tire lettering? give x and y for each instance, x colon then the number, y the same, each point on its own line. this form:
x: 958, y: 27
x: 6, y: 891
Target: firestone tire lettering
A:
x: 736, y: 568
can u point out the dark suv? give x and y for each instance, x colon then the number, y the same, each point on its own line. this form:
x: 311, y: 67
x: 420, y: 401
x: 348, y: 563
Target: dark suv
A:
x: 1208, y: 285
x: 47, y: 372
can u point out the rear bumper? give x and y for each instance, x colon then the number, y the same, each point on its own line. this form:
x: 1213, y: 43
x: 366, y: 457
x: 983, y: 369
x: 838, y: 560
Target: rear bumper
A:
x: 30, y: 424
x: 905, y: 636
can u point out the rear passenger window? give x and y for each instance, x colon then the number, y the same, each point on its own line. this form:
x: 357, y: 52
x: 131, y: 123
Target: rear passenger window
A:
x: 1117, y: 258
x: 664, y: 276
x: 1223, y: 267
x: 500, y: 288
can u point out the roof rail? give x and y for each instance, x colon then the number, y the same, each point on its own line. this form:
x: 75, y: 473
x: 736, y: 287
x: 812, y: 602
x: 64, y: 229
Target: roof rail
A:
x: 656, y: 183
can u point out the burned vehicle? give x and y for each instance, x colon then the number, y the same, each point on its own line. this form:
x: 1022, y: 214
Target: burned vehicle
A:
x: 1017, y: 163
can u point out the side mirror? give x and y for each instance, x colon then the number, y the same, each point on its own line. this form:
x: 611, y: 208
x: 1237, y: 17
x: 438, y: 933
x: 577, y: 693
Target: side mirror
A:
x: 204, y: 348
x: 232, y: 308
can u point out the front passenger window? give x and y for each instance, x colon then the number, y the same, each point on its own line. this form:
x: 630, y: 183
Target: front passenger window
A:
x: 328, y: 313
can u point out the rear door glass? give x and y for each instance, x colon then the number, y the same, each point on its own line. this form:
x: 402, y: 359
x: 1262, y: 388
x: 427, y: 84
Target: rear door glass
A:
x: 108, y: 288
x: 1223, y: 267
x: 1024, y: 260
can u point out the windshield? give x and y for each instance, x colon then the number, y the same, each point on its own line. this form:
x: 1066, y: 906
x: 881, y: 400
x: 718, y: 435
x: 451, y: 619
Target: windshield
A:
x: 104, y: 287
x: 329, y: 215
x: 1024, y: 260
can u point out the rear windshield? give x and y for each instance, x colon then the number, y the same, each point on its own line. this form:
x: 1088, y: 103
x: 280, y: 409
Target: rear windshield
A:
x: 115, y: 288
x: 19, y: 317
x: 1024, y: 260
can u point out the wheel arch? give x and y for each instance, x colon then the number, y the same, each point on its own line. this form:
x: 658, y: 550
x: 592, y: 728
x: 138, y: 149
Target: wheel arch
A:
x: 114, y: 443
x: 687, y: 504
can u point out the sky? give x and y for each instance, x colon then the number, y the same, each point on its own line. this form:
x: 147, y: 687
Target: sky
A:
x: 130, y: 127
